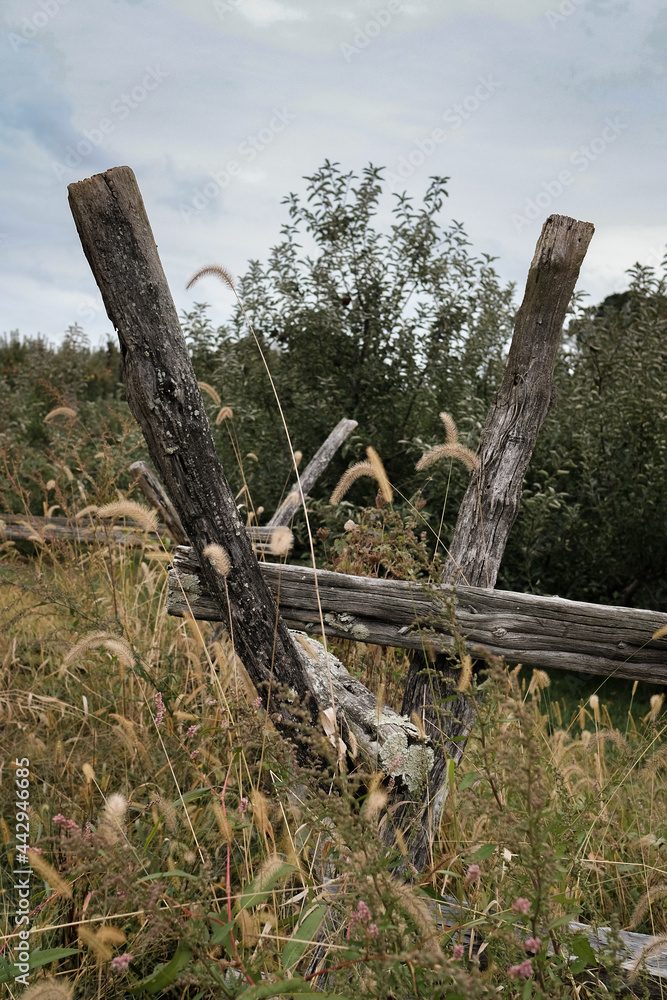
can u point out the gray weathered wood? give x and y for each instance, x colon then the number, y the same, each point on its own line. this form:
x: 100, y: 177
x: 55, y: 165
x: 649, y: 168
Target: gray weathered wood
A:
x: 491, y: 502
x: 526, y: 395
x: 523, y: 628
x: 312, y: 473
x: 151, y: 487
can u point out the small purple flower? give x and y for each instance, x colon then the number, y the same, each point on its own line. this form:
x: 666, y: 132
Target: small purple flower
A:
x: 532, y: 944
x: 191, y: 731
x: 524, y: 970
x: 372, y: 930
x: 257, y: 702
x: 243, y: 805
x: 121, y: 962
x: 472, y: 875
x: 521, y: 905
x: 194, y: 754
x: 160, y: 707
x: 363, y: 912
x: 457, y: 951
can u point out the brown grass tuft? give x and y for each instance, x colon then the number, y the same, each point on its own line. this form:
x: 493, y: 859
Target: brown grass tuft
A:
x: 101, y: 950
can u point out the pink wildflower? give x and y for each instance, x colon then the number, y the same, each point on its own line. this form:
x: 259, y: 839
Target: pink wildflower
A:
x: 524, y: 970
x: 521, y: 905
x: 121, y: 962
x: 257, y: 702
x: 532, y: 944
x: 472, y: 875
x: 363, y: 912
x: 457, y: 951
x: 373, y: 930
x: 160, y: 706
x: 243, y: 805
x: 194, y: 754
x: 191, y: 731
x: 67, y: 824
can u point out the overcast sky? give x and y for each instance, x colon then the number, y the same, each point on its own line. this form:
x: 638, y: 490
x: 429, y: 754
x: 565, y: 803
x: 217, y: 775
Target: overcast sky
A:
x: 221, y: 106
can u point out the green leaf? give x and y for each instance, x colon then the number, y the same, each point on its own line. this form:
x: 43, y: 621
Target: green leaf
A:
x: 295, y: 987
x: 259, y: 890
x: 586, y: 957
x: 221, y: 934
x: 37, y: 959
x: 177, y: 872
x: 484, y: 852
x: 164, y: 975
x: 467, y: 780
x: 303, y: 935
x: 196, y: 793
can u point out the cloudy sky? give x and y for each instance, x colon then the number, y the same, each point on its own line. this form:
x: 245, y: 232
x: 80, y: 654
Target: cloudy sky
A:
x: 222, y: 106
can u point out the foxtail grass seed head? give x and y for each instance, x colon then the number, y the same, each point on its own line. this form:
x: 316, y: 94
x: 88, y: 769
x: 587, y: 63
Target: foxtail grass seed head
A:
x: 112, y: 826
x: 450, y: 428
x: 465, y: 675
x: 657, y: 701
x: 349, y: 477
x: 118, y: 647
x: 214, y: 269
x: 39, y: 863
x: 594, y: 702
x: 281, y: 542
x: 459, y: 451
x: 101, y: 951
x: 218, y: 557
x: 660, y: 633
x: 210, y: 391
x: 143, y: 516
x: 225, y: 413
x: 48, y: 989
x: 380, y: 474
x: 298, y: 455
x: 60, y: 411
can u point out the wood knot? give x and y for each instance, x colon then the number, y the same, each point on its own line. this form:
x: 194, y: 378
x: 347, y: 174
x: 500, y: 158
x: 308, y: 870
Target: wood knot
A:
x: 499, y: 632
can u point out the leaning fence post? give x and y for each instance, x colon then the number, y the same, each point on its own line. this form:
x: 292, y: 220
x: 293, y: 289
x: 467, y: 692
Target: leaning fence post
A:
x: 164, y: 397
x: 492, y: 500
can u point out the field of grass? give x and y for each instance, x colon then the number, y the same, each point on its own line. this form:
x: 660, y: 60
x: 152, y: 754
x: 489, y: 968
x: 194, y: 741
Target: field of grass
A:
x: 181, y: 851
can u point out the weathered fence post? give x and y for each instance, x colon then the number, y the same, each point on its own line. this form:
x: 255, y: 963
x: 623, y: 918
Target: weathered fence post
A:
x: 492, y: 499
x: 164, y: 398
